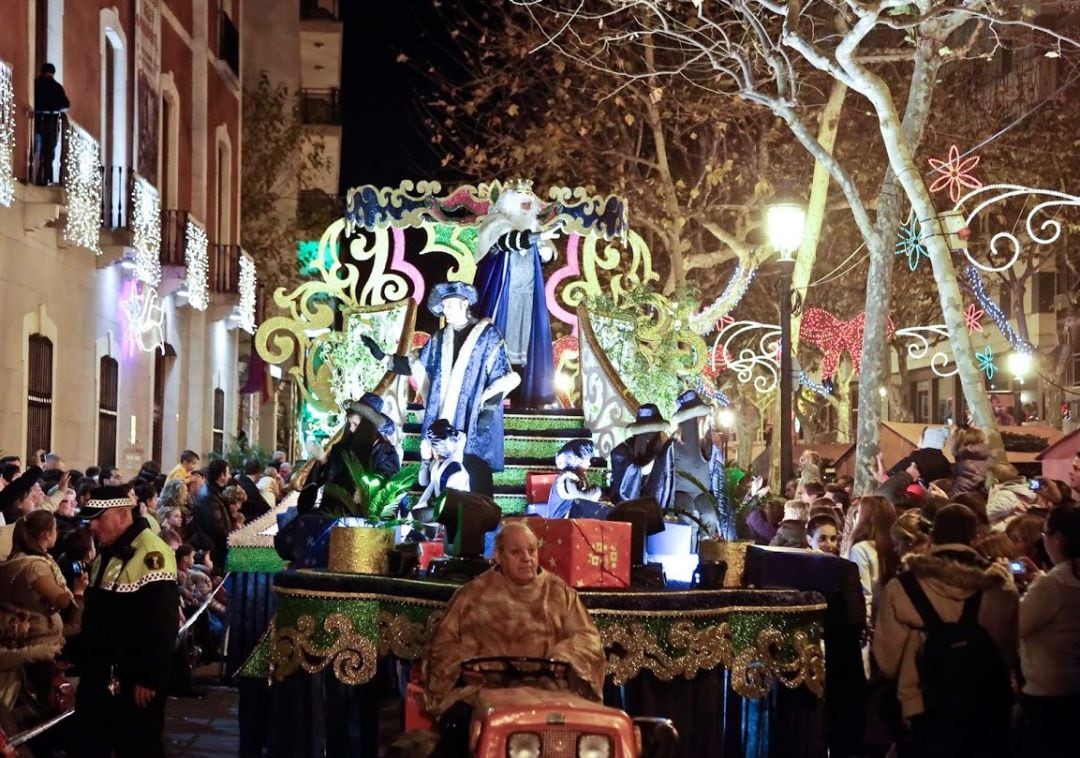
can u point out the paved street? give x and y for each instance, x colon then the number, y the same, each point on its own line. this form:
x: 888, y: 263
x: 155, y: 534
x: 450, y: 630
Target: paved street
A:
x: 203, y: 727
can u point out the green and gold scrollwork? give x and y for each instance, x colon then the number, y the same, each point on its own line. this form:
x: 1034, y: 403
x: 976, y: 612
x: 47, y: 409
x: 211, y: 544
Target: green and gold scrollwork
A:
x: 331, y: 367
x: 352, y: 656
x: 759, y: 645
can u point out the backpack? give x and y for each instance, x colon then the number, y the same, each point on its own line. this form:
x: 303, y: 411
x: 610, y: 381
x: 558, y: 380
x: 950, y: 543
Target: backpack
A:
x: 961, y: 672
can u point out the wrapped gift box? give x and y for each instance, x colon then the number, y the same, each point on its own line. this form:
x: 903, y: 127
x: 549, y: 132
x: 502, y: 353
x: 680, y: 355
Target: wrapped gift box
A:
x: 415, y: 715
x: 538, y: 486
x: 585, y: 553
x: 428, y: 551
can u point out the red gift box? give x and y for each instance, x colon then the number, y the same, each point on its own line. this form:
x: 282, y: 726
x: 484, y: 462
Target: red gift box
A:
x: 584, y: 552
x: 428, y: 551
x: 538, y: 487
x: 415, y: 715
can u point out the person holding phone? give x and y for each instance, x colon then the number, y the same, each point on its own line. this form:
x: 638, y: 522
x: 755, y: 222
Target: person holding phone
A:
x: 1050, y: 641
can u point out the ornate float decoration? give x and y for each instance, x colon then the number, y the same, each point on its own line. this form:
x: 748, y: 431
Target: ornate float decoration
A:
x: 363, y: 277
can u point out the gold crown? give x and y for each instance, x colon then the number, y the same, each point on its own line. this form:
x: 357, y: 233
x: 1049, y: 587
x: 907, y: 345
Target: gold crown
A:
x: 519, y: 185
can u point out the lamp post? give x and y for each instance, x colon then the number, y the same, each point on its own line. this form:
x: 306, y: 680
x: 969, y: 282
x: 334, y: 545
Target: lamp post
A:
x: 727, y: 421
x: 785, y: 219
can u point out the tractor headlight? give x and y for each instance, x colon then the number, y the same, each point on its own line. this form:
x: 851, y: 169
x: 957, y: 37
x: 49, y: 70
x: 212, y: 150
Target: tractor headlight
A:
x: 523, y: 745
x: 594, y: 746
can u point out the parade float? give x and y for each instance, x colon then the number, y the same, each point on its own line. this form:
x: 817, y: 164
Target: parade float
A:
x: 619, y: 359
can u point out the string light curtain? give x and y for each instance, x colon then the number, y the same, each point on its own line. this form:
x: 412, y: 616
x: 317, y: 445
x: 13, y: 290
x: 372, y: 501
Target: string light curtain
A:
x: 82, y: 182
x: 146, y: 231
x: 198, y: 266
x: 247, y: 283
x: 7, y: 135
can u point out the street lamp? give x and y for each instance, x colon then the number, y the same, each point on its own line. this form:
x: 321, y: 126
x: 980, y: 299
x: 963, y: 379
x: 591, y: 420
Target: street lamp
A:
x: 726, y: 417
x: 1019, y: 363
x: 785, y: 221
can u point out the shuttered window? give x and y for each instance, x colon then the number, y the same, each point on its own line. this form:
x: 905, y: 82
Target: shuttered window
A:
x: 39, y: 396
x: 219, y: 421
x: 108, y: 397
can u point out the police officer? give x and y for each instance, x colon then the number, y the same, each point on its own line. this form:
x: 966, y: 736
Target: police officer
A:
x: 129, y: 631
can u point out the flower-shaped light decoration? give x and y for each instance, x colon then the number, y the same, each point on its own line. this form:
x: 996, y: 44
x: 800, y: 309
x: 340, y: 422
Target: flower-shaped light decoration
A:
x: 955, y: 173
x: 973, y: 318
x: 986, y: 362
x: 910, y: 242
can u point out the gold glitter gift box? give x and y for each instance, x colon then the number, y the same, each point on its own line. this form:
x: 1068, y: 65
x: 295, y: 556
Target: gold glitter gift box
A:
x: 732, y: 552
x: 360, y: 549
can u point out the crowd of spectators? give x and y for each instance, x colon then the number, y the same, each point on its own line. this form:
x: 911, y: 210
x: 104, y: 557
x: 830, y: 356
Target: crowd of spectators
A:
x: 962, y: 548
x: 47, y: 547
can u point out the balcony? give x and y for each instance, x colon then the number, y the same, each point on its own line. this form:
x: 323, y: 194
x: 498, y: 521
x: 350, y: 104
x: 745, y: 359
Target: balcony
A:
x: 229, y: 43
x: 320, y: 106
x: 225, y: 269
x: 319, y: 10
x: 174, y: 238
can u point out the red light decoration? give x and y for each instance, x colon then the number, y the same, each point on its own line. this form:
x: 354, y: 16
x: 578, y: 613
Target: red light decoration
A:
x: 973, y: 318
x: 835, y: 337
x: 955, y: 173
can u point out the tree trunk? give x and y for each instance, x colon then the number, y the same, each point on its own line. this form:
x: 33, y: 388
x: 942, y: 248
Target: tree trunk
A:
x: 874, y: 362
x: 899, y: 400
x: 900, y: 140
x: 815, y: 210
x: 844, y: 375
x: 749, y: 425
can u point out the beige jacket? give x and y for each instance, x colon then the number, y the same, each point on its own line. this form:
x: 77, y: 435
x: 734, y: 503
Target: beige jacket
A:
x: 949, y: 575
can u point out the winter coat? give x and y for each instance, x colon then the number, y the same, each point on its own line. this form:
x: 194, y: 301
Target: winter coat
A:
x: 1008, y: 499
x: 1050, y: 634
x: 760, y: 528
x: 949, y: 574
x: 894, y: 488
x: 932, y: 464
x: 969, y: 470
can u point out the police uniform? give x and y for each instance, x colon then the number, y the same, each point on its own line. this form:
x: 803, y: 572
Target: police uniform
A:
x: 129, y: 629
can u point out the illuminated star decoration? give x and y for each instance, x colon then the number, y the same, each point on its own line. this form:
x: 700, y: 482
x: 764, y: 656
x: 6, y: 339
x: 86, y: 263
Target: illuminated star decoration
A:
x: 910, y: 242
x: 835, y: 337
x: 973, y: 318
x: 955, y: 173
x: 986, y: 362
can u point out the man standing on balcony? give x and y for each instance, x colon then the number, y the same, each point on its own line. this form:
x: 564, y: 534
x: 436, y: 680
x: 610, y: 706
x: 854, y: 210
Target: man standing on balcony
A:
x: 49, y: 101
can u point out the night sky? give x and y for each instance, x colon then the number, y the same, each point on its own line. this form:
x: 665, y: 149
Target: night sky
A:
x: 382, y: 141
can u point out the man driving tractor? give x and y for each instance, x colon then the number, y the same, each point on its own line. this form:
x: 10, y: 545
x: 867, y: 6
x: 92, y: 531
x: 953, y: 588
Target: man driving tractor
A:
x: 518, y: 610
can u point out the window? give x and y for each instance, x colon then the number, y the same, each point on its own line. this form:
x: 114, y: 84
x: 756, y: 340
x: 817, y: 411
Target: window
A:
x: 39, y: 395
x: 108, y: 395
x: 223, y: 218
x: 157, y: 437
x: 922, y: 402
x: 219, y: 421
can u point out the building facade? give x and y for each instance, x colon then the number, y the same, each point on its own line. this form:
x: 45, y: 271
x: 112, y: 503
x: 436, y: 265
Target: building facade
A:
x: 122, y: 283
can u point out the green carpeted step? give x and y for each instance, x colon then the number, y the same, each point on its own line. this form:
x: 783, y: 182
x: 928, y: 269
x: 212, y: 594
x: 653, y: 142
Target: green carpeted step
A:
x: 514, y: 446
x: 513, y: 475
x: 519, y: 422
x: 511, y: 503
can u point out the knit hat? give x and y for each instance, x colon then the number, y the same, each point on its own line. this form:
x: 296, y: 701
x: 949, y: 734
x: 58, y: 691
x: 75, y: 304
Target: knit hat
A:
x: 15, y: 491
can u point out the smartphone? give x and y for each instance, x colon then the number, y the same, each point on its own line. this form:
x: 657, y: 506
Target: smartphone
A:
x: 1034, y: 484
x: 1017, y: 567
x: 76, y: 568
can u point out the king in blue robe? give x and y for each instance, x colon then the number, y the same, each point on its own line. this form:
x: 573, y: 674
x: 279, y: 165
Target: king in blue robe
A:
x: 510, y: 283
x: 463, y: 372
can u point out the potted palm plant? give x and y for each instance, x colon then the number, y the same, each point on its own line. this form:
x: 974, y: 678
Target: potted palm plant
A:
x: 363, y: 536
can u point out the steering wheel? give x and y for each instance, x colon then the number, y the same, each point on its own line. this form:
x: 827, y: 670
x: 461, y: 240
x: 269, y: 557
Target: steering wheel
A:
x: 509, y: 669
